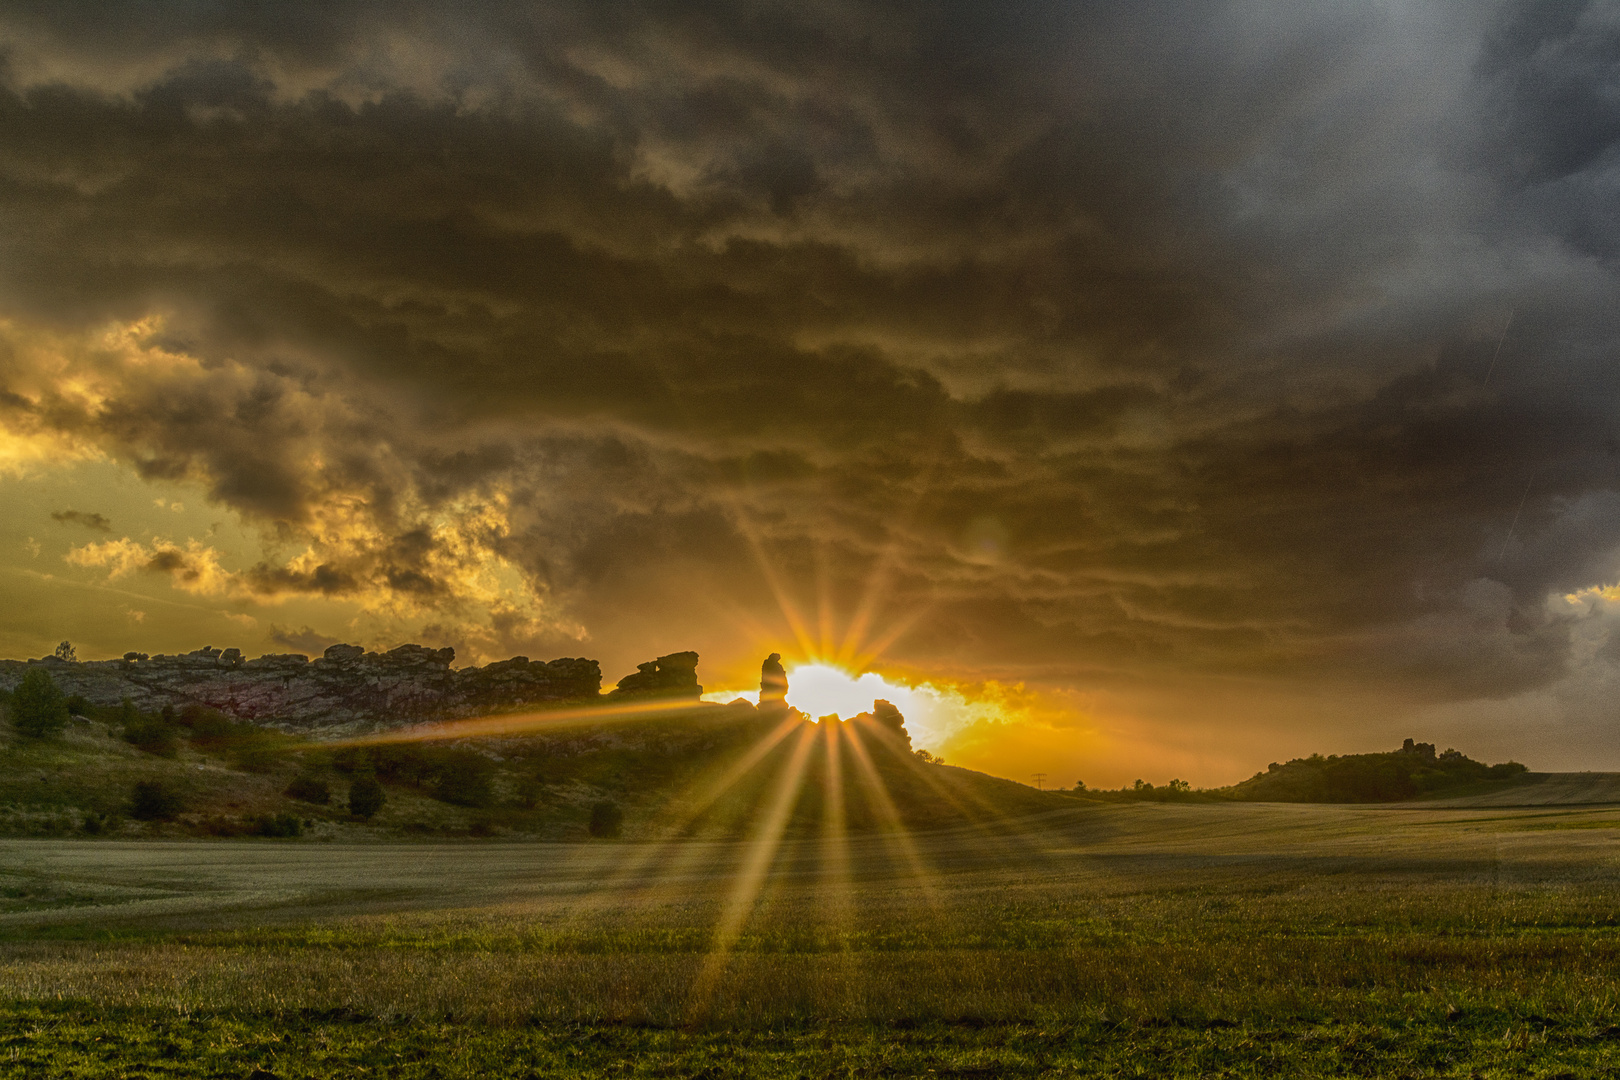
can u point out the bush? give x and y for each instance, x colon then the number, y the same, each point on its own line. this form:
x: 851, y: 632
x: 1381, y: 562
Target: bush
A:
x: 309, y: 789
x: 78, y: 705
x: 153, y: 734
x: 279, y: 826
x: 366, y: 797
x: 464, y: 778
x: 258, y: 751
x: 210, y: 730
x: 529, y: 792
x: 606, y: 819
x: 38, y: 708
x: 95, y: 824
x: 154, y: 801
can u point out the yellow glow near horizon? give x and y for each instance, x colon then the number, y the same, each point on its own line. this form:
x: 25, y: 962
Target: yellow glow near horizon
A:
x: 822, y: 689
x: 935, y: 713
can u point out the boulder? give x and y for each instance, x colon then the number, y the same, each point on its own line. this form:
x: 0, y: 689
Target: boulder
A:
x: 674, y: 675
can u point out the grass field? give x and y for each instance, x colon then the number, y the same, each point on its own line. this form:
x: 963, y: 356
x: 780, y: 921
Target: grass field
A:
x: 1138, y: 940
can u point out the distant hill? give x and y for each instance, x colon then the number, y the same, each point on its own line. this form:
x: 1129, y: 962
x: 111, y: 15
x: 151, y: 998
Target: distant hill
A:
x: 1413, y: 771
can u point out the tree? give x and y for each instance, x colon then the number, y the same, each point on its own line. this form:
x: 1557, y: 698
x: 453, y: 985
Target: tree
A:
x: 310, y: 789
x: 38, y: 708
x: 152, y: 801
x: 66, y: 651
x: 606, y: 819
x: 464, y: 778
x: 366, y: 797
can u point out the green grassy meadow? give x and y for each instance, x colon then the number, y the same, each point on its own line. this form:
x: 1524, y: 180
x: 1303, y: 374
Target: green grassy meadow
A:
x: 1110, y: 940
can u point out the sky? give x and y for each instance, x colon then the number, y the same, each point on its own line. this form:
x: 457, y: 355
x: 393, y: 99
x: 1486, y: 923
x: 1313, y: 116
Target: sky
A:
x: 1167, y: 387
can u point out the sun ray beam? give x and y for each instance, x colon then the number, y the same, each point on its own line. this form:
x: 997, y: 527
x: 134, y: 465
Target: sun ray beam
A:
x: 521, y: 723
x: 894, y: 834
x: 673, y: 854
x: 758, y: 853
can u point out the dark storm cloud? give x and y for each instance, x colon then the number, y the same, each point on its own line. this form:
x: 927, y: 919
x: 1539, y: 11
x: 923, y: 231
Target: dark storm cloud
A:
x: 1116, y: 335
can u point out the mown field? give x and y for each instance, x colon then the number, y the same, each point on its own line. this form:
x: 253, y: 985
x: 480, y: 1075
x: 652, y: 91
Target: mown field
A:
x: 1137, y: 940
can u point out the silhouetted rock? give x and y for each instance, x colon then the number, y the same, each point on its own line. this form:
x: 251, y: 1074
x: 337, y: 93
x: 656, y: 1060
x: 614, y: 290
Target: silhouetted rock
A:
x: 773, y: 687
x: 346, y: 689
x: 1423, y: 750
x: 674, y: 675
x: 889, y: 717
x: 886, y: 722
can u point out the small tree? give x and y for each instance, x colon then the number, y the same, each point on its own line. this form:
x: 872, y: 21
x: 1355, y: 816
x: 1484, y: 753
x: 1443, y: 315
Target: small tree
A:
x: 464, y: 778
x: 279, y: 826
x: 310, y: 789
x: 38, y: 708
x: 606, y: 819
x: 66, y: 651
x: 366, y: 797
x: 152, y: 801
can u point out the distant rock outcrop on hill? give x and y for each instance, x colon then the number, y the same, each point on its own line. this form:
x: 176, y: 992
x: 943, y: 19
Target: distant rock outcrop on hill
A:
x: 347, y: 689
x: 674, y: 676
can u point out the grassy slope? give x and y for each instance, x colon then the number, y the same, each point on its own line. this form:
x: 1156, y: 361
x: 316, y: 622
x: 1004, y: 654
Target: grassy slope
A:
x: 538, y: 787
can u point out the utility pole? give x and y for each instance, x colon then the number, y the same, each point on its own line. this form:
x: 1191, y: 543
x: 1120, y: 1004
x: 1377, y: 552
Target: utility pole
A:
x: 1040, y: 779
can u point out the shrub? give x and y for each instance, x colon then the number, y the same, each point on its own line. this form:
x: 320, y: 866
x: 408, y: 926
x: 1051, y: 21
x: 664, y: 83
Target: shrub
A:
x: 529, y: 792
x: 78, y: 705
x: 464, y: 778
x: 606, y: 819
x: 152, y: 734
x: 366, y: 797
x: 154, y: 801
x: 95, y: 824
x: 210, y: 730
x: 257, y: 752
x: 309, y: 789
x: 38, y: 708
x: 279, y: 826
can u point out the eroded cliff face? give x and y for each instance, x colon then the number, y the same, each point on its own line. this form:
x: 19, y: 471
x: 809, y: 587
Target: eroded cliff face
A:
x: 346, y: 690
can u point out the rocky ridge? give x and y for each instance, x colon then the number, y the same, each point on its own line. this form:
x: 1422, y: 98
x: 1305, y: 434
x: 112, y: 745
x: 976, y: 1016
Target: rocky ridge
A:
x: 346, y: 690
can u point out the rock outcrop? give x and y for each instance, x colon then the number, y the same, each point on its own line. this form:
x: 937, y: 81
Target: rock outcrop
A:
x: 673, y: 676
x: 773, y: 686
x: 347, y: 689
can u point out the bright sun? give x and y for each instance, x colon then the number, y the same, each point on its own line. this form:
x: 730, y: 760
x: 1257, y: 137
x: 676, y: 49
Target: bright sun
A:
x: 820, y: 689
x: 932, y: 712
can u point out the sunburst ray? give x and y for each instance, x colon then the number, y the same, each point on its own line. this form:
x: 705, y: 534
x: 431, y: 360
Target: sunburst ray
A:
x: 758, y: 854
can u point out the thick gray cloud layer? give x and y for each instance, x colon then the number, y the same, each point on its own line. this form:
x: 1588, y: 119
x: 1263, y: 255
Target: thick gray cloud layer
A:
x: 1242, y: 337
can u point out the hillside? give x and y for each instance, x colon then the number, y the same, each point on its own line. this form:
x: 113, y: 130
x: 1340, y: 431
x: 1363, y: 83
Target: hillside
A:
x: 1414, y: 771
x: 700, y: 769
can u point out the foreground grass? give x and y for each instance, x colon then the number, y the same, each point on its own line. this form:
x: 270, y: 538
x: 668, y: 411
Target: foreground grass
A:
x: 1154, y: 941
x: 80, y: 1041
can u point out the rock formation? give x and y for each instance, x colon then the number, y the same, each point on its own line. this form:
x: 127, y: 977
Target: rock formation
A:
x: 889, y: 718
x: 674, y: 676
x: 773, y: 686
x: 886, y: 721
x: 347, y: 689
